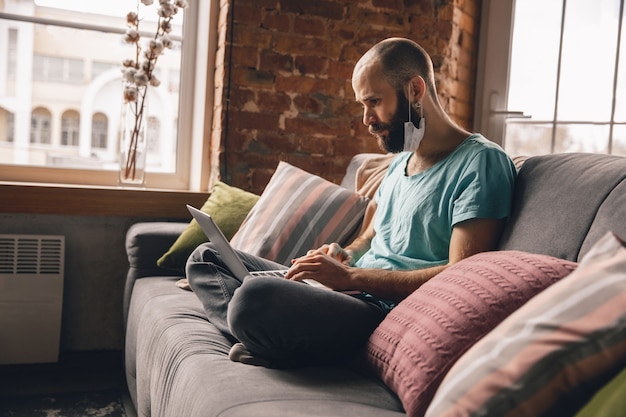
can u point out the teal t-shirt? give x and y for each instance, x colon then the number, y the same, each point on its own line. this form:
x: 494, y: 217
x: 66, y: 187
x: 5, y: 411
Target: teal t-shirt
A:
x: 416, y: 214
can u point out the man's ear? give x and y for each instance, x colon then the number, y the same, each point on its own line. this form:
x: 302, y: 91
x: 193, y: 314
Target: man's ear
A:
x: 417, y: 89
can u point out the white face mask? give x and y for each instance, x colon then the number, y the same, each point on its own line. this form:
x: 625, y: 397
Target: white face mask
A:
x: 412, y: 136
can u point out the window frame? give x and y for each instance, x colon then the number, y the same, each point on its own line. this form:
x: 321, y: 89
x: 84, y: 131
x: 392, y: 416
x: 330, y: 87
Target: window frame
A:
x: 492, y: 83
x: 192, y: 161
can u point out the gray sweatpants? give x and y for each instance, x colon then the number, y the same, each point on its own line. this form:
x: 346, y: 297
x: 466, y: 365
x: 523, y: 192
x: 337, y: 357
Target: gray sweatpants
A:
x: 285, y: 321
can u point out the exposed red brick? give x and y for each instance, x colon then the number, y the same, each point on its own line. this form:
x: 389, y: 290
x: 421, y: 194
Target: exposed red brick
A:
x: 261, y: 4
x: 246, y: 56
x: 244, y: 35
x: 240, y: 97
x: 248, y: 120
x: 294, y: 84
x: 277, y: 21
x: 289, y: 65
x: 311, y: 65
x: 300, y: 45
x: 322, y: 126
x: 288, y: 144
x: 272, y: 61
x: 308, y: 104
x: 340, y: 69
x: 321, y: 8
x: 273, y: 102
x: 252, y: 77
x: 309, y: 26
x: 247, y: 14
x: 388, y: 4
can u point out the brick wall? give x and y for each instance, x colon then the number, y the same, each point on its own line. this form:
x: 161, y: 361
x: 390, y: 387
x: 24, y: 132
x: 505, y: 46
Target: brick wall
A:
x: 282, y: 81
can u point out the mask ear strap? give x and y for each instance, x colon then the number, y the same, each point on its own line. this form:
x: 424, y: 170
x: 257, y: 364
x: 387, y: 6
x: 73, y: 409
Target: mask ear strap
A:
x: 418, y: 106
x: 408, y: 97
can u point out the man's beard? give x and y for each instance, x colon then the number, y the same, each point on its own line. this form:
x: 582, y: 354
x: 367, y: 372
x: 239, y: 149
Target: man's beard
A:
x: 393, y: 138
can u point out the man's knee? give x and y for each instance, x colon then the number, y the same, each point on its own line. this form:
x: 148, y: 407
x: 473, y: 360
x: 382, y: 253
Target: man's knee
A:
x: 251, y: 304
x: 203, y: 254
x: 255, y: 313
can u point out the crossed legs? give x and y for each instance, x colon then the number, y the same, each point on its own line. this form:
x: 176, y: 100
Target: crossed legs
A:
x: 284, y: 321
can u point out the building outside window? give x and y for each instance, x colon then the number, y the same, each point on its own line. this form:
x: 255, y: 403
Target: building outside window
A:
x: 40, y: 127
x: 99, y: 131
x: 61, y: 86
x: 70, y: 122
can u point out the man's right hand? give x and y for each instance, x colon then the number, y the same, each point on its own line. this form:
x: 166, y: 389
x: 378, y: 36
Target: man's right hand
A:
x: 335, y: 251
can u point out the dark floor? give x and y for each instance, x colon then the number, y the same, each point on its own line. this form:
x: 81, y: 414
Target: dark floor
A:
x: 74, y: 372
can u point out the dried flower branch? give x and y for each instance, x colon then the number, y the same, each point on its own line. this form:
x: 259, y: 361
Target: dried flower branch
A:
x: 138, y: 73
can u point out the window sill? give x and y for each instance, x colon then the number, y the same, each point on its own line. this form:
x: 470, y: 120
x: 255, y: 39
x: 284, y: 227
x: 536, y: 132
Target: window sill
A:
x: 36, y: 198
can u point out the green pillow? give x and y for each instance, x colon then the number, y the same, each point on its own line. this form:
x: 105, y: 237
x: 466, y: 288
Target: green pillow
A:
x: 228, y: 206
x: 609, y: 401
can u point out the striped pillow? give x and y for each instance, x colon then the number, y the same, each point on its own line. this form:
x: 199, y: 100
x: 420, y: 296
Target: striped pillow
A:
x: 419, y: 341
x: 299, y: 211
x: 549, y: 357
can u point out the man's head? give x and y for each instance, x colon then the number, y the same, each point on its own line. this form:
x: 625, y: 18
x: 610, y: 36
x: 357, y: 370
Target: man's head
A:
x: 390, y: 81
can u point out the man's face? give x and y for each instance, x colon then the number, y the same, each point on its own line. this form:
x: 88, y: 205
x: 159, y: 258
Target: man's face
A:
x: 385, y: 110
x: 390, y: 134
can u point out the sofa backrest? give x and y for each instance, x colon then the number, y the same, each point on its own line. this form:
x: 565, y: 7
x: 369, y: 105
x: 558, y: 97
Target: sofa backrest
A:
x: 563, y: 203
x: 349, y: 180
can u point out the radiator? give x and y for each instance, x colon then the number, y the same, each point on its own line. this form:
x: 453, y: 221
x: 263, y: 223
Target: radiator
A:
x: 31, y: 297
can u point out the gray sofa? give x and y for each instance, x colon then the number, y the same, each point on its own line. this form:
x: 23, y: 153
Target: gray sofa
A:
x: 177, y: 363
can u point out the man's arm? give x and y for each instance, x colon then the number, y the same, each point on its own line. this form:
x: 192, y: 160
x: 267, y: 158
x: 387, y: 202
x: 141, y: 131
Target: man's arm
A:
x: 468, y: 238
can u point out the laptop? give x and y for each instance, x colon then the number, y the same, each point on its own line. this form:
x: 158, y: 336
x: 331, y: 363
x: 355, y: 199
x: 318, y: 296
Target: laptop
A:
x: 229, y: 256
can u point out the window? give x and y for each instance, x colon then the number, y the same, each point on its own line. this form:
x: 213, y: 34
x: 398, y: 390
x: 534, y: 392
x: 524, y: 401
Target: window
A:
x: 99, y: 131
x: 12, y: 55
x: 40, y: 127
x: 69, y: 128
x: 553, y: 76
x: 57, y: 68
x: 7, y: 126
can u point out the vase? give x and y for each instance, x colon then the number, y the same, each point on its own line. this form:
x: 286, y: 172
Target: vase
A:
x: 133, y: 149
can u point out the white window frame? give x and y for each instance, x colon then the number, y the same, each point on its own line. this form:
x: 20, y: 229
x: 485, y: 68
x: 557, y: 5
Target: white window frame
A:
x: 494, y: 58
x: 491, y: 107
x: 199, y: 33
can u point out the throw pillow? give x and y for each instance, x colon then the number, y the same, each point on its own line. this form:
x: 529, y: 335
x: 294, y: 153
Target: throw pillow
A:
x: 299, y: 211
x: 228, y: 206
x: 418, y: 342
x: 549, y: 357
x: 610, y: 401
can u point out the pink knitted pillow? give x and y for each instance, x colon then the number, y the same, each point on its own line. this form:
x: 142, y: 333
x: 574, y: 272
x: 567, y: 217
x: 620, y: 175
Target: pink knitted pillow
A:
x: 418, y: 342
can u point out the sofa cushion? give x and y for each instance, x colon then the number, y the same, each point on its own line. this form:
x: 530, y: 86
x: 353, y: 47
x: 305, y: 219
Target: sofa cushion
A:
x: 555, y: 202
x: 420, y: 339
x: 610, y: 217
x: 228, y: 206
x: 549, y: 357
x: 299, y: 211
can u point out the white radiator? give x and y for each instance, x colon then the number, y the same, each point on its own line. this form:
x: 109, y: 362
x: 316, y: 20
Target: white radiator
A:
x: 31, y: 297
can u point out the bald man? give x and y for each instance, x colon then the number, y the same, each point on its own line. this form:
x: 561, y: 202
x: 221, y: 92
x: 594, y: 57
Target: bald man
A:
x: 445, y: 197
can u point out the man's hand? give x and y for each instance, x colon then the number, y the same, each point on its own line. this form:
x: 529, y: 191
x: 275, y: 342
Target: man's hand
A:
x: 325, y: 265
x: 335, y: 251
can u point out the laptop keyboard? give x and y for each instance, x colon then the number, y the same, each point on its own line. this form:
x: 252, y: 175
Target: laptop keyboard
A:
x: 276, y: 273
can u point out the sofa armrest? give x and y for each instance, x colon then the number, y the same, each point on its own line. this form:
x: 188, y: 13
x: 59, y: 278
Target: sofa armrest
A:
x: 145, y: 243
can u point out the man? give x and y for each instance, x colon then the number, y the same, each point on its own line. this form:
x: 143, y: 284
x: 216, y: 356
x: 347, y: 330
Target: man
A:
x: 445, y: 197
